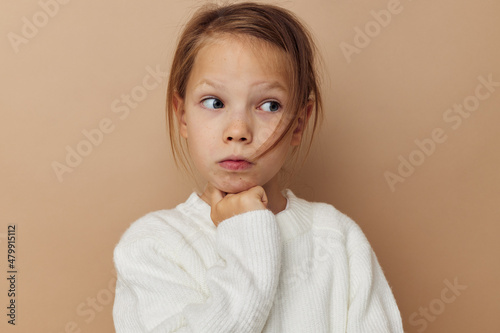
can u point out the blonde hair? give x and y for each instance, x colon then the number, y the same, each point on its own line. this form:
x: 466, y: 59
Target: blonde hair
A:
x: 274, y: 25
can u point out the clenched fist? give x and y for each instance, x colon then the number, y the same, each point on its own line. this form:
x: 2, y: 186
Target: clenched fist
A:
x: 226, y: 205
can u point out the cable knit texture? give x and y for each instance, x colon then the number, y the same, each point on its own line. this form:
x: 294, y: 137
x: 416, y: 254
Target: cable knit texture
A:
x: 308, y: 269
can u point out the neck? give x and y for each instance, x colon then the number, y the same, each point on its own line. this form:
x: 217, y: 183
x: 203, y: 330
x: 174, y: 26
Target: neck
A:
x: 276, y: 201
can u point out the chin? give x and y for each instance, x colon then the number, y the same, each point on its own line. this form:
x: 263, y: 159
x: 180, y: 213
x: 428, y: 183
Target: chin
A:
x: 236, y: 187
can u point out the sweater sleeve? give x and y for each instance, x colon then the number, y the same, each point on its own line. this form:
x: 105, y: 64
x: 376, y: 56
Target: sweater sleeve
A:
x: 372, y: 307
x: 156, y: 293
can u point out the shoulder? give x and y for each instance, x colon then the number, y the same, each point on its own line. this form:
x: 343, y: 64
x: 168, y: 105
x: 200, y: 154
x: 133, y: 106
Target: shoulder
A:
x: 322, y: 219
x: 327, y: 218
x: 166, y: 228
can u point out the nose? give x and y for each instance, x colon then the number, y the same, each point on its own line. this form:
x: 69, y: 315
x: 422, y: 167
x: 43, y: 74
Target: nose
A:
x: 238, y: 129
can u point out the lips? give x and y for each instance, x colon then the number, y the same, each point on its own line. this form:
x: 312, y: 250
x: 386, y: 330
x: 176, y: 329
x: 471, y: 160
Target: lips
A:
x: 235, y: 163
x: 234, y: 158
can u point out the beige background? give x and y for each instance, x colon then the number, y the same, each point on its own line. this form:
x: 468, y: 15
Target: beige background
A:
x: 438, y: 226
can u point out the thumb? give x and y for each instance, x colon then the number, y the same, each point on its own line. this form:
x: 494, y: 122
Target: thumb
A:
x: 261, y: 193
x: 264, y: 198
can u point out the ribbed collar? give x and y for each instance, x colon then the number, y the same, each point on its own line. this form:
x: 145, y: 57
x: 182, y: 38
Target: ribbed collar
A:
x: 294, y: 220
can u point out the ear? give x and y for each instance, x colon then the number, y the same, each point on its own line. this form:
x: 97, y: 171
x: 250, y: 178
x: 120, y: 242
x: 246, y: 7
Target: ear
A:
x: 180, y: 113
x: 301, y: 124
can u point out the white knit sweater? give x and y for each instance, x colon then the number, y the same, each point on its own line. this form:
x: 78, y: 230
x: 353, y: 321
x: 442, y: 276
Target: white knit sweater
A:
x: 306, y: 269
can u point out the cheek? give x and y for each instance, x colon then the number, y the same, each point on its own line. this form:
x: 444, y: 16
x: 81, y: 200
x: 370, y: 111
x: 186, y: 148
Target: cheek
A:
x: 267, y: 131
x: 198, y: 131
x: 200, y: 146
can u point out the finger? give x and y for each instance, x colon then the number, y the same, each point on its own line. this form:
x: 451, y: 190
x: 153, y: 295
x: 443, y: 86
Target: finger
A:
x: 260, y: 194
x: 264, y: 198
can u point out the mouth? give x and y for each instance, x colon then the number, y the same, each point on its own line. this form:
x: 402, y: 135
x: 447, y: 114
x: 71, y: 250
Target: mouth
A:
x: 235, y: 163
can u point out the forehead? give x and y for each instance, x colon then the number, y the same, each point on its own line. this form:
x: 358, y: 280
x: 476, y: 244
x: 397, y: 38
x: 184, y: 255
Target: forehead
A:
x: 242, y: 56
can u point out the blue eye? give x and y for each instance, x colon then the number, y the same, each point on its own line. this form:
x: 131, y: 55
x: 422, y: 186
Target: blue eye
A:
x: 212, y: 103
x: 271, y: 106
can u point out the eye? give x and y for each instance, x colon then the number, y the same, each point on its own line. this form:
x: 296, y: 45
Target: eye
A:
x: 212, y: 103
x: 271, y: 106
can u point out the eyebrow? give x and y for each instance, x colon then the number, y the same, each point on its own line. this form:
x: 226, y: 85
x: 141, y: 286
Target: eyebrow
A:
x: 214, y: 84
x: 262, y: 85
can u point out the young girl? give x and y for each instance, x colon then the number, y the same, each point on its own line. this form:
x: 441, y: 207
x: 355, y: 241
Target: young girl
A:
x: 246, y: 255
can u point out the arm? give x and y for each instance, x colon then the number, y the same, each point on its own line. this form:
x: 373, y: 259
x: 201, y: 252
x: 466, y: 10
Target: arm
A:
x: 372, y: 307
x: 155, y: 293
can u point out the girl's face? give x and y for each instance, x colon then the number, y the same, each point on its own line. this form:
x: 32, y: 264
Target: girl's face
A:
x: 235, y: 96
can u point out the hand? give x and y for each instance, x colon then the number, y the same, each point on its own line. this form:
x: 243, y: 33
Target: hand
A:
x: 226, y: 205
